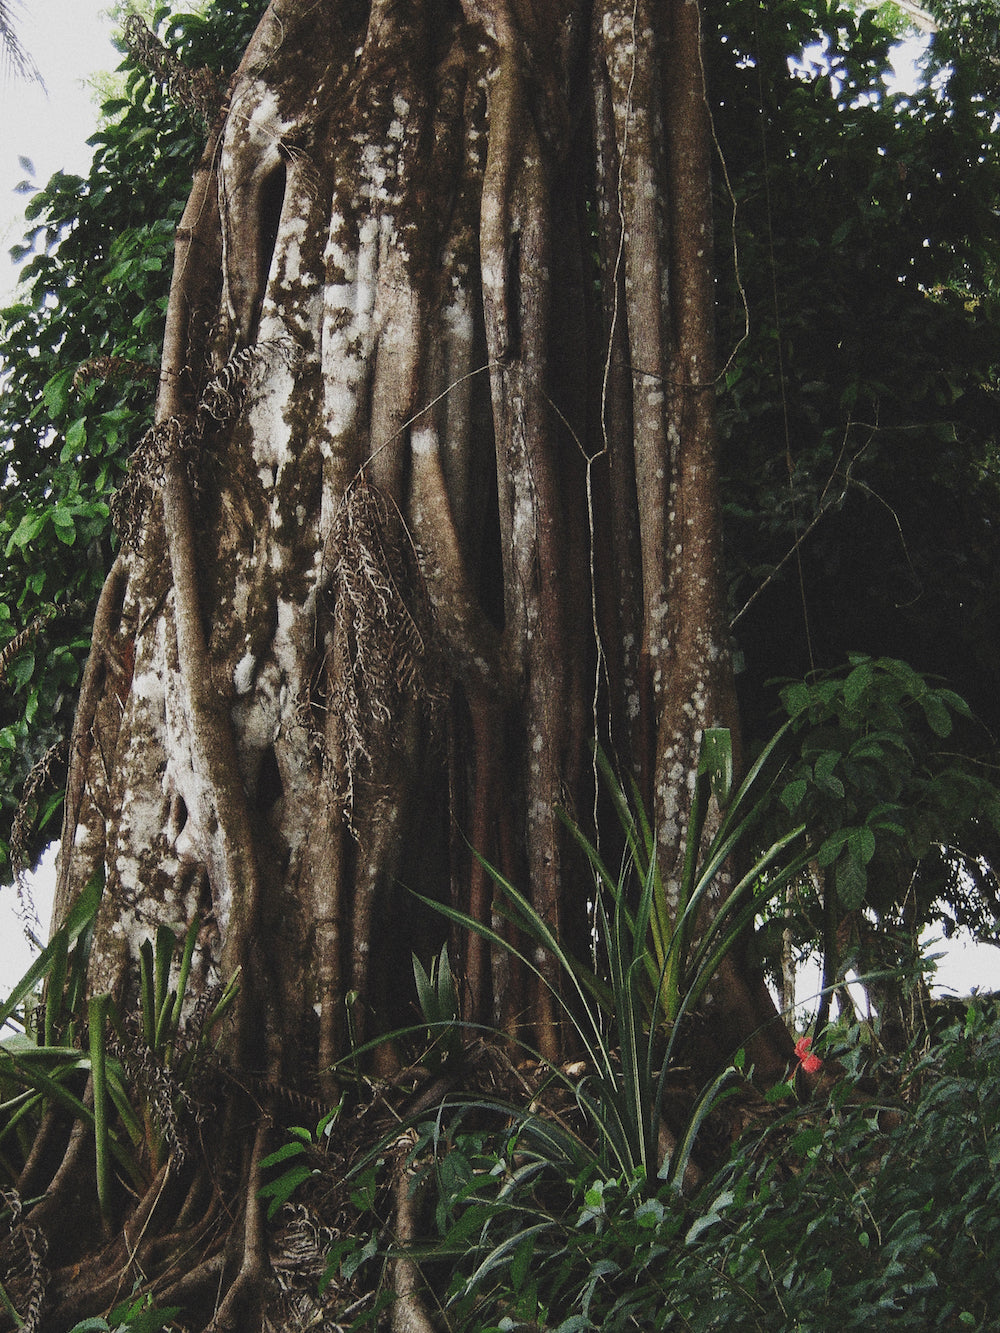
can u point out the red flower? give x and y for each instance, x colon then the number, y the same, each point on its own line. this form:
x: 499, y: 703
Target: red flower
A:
x: 810, y: 1063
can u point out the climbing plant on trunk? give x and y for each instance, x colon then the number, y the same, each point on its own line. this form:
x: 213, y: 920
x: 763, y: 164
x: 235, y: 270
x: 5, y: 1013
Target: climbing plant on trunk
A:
x: 429, y: 504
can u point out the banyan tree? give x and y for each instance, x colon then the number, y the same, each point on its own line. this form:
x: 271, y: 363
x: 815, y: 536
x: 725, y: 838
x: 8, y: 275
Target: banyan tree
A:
x: 429, y: 508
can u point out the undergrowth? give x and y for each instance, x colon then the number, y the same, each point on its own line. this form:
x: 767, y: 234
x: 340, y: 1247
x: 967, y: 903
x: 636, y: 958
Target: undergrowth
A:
x: 852, y: 1211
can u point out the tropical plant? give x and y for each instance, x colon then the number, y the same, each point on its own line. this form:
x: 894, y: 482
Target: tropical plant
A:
x: 124, y: 1078
x: 138, y: 1314
x: 374, y: 593
x: 897, y: 818
x: 834, y: 1213
x: 660, y: 955
x: 438, y: 1001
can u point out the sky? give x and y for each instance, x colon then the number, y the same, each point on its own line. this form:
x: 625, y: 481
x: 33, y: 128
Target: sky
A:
x: 69, y: 41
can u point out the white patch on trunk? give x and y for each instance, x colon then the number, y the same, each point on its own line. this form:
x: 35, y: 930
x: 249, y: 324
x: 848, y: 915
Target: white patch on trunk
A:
x: 244, y: 674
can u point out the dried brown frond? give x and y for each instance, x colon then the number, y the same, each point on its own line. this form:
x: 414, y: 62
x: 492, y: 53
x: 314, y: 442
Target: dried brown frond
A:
x: 24, y: 815
x: 221, y: 402
x: 22, y: 1256
x: 113, y: 368
x: 155, y: 1083
x: 195, y: 89
x: 13, y: 646
x: 224, y: 396
x: 384, y: 632
x: 299, y: 1243
x: 177, y: 436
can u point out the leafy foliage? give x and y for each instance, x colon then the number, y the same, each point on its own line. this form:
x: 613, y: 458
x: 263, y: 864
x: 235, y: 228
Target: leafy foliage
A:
x: 439, y: 1006
x: 859, y: 408
x: 838, y: 1214
x: 899, y: 822
x: 664, y: 924
x: 874, y: 785
x: 138, y: 1314
x: 875, y: 1222
x: 138, y: 1067
x: 81, y: 350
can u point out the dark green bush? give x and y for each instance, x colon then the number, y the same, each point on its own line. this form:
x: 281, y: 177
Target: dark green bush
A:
x: 877, y: 1215
x: 857, y: 1213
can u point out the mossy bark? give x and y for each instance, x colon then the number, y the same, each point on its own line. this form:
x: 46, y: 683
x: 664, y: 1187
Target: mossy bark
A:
x: 430, y: 504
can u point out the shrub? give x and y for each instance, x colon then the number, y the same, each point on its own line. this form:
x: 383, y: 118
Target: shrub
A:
x: 851, y: 1213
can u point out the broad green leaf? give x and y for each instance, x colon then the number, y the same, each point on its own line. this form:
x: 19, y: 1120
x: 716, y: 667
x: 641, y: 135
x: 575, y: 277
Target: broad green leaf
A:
x: 851, y: 881
x: 796, y: 698
x: 792, y: 794
x: 862, y: 845
x: 26, y: 531
x: 937, y: 715
x: 280, y: 1191
x: 294, y: 1148
x: 76, y: 439
x: 830, y: 848
x: 857, y: 683
x: 825, y: 776
x: 20, y: 670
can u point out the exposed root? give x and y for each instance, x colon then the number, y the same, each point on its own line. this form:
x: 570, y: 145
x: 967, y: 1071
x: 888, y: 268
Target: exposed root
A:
x: 241, y: 1305
x: 409, y: 1313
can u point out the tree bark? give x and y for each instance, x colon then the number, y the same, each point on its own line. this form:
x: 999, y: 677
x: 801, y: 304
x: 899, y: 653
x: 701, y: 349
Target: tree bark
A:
x: 430, y: 504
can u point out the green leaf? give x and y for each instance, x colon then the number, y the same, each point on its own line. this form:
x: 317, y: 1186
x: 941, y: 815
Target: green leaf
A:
x: 76, y: 439
x: 824, y: 774
x: 937, y: 715
x: 98, y: 1010
x: 716, y: 759
x: 26, y: 531
x: 20, y: 671
x: 851, y: 881
x: 830, y: 848
x: 522, y: 1262
x: 792, y: 794
x: 55, y: 394
x: 796, y: 699
x: 862, y: 845
x: 65, y: 526
x: 426, y: 997
x: 857, y: 683
x: 295, y: 1148
x: 280, y: 1191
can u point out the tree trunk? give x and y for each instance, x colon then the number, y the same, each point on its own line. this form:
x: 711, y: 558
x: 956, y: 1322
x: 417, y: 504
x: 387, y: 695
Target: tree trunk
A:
x: 430, y: 503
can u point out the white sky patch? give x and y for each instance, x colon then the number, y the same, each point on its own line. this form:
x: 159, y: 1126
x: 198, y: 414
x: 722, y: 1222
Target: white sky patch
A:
x: 68, y: 40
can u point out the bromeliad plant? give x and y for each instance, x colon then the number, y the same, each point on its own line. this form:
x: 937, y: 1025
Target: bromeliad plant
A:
x: 438, y: 1002
x: 660, y: 956
x: 525, y: 1211
x: 122, y: 1077
x: 677, y: 951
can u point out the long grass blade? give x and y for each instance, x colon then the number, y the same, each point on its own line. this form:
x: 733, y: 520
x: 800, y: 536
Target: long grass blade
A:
x: 710, y: 1097
x: 98, y: 1035
x: 147, y: 992
x: 163, y: 1001
x: 183, y: 974
x: 525, y: 916
x: 55, y: 986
